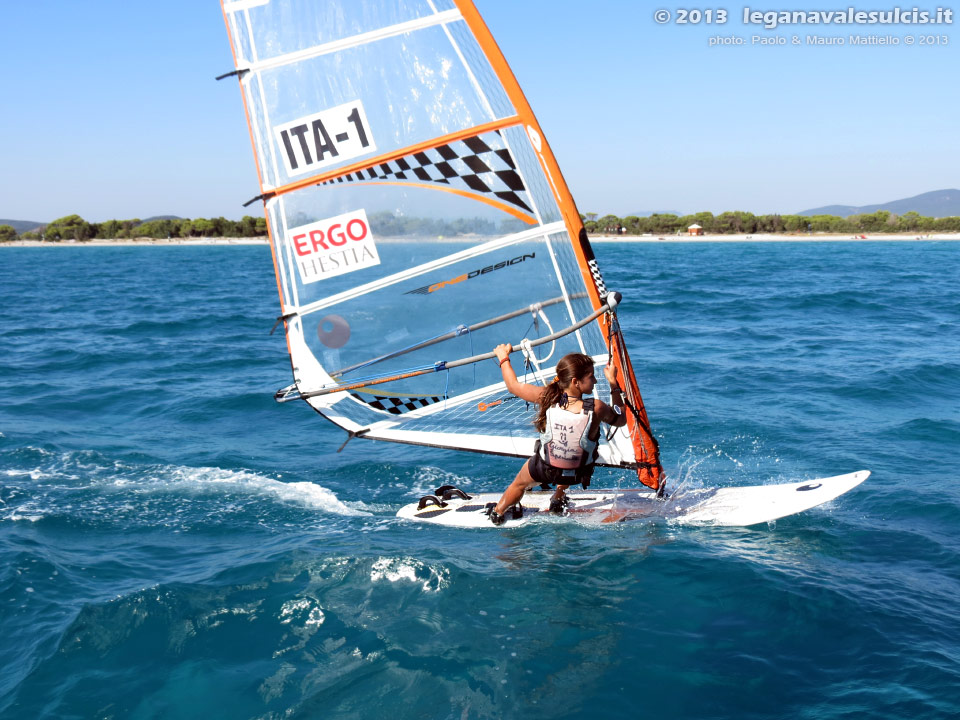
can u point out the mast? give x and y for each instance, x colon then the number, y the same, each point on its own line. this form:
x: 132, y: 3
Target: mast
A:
x: 649, y: 468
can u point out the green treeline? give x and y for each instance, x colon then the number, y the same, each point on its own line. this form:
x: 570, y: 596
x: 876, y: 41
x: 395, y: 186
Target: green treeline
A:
x: 881, y: 221
x: 74, y: 227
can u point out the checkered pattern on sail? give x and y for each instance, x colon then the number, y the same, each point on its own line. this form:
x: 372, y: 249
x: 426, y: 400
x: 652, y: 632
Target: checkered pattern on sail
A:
x: 597, y: 278
x: 480, y: 164
x: 397, y: 405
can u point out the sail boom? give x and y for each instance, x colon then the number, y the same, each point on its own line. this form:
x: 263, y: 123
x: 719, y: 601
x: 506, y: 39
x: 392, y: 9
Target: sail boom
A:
x: 532, y: 309
x: 475, y: 396
x: 440, y: 366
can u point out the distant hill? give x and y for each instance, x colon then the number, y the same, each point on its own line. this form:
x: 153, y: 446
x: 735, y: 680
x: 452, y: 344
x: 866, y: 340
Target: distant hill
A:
x: 22, y: 226
x: 163, y: 217
x: 938, y: 203
x: 648, y: 213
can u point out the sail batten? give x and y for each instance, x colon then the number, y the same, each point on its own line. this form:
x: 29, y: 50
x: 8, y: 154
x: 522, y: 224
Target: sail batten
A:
x: 351, y: 42
x: 238, y: 5
x: 416, y: 213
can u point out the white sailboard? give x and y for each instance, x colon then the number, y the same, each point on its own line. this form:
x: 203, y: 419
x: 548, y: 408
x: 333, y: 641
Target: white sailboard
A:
x: 733, y: 506
x: 418, y: 218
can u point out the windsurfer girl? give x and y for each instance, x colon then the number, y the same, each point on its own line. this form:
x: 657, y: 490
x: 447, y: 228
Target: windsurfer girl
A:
x: 569, y: 425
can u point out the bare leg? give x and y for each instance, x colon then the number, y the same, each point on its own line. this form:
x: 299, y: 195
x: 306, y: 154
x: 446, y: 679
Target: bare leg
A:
x: 560, y: 492
x: 511, y: 496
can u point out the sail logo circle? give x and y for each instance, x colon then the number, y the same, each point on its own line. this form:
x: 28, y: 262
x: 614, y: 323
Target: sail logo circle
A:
x: 333, y: 331
x: 334, y: 246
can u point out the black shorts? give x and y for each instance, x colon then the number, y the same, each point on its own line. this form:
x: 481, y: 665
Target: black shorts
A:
x: 545, y: 474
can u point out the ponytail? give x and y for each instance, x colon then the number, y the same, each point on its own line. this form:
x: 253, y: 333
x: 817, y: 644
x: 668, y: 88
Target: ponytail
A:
x: 571, y: 367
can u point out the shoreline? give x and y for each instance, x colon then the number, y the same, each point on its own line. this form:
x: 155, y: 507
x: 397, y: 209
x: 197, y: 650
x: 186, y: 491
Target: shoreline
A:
x: 757, y: 237
x: 769, y: 237
x: 128, y: 242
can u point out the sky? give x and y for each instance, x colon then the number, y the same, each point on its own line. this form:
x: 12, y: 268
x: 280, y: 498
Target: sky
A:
x: 110, y: 108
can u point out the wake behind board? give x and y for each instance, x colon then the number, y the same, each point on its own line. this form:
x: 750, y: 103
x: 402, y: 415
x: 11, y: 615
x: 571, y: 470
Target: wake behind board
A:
x: 736, y: 506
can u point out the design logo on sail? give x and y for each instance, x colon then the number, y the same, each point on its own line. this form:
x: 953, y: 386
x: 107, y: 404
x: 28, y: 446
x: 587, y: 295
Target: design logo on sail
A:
x: 426, y: 289
x: 331, y: 247
x: 324, y: 138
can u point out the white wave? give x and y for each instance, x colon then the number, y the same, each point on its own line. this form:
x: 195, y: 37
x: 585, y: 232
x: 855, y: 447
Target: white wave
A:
x: 127, y: 479
x: 35, y: 474
x: 85, y: 470
x: 303, y: 493
x: 427, y: 479
x: 410, y: 570
x: 303, y: 609
x: 16, y: 517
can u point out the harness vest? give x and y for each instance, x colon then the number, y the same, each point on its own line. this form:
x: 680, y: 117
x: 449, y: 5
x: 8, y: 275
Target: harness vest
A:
x: 565, y: 445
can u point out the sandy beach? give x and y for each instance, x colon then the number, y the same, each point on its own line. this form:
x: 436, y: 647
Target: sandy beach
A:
x: 769, y: 237
x: 139, y: 241
x: 759, y: 237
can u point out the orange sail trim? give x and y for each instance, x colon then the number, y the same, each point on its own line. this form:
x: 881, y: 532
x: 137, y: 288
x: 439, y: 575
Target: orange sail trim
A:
x: 463, y: 193
x: 253, y: 145
x: 647, y: 451
x: 649, y: 471
x: 396, y: 154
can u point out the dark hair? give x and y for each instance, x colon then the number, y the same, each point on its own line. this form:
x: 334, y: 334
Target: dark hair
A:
x: 571, y: 367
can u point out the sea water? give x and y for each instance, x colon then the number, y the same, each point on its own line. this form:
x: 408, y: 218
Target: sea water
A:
x: 174, y: 544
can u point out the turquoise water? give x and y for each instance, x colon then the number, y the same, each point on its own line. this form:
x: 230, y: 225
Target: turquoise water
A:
x: 173, y: 544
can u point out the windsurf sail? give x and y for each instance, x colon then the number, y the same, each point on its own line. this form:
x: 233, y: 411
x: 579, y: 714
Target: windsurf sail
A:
x: 417, y: 218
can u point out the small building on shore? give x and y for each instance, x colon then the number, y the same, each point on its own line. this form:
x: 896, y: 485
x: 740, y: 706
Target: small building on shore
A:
x: 695, y: 230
